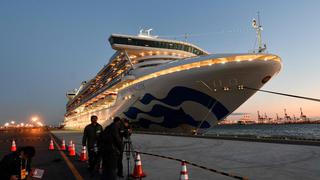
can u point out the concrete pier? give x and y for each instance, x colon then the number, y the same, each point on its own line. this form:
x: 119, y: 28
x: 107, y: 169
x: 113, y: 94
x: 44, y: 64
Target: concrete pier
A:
x: 254, y: 160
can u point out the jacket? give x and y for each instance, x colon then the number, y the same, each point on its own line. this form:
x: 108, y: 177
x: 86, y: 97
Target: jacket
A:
x: 111, y: 140
x: 91, y: 135
x: 11, y: 164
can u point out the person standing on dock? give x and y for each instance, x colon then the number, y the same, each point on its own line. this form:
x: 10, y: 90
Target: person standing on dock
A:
x: 111, y: 147
x: 90, y: 140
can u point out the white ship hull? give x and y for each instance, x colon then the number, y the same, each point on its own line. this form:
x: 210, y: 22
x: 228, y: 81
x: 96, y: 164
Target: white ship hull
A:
x: 185, y: 100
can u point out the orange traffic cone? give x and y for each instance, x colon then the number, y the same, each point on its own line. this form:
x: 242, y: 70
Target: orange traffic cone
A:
x: 73, y: 151
x: 70, y: 146
x: 13, y: 146
x: 138, y: 172
x: 51, y: 147
x: 83, y: 156
x: 184, y: 172
x: 63, y: 146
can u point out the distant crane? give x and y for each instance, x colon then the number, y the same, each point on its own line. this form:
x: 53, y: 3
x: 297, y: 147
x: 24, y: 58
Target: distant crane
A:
x: 286, y: 116
x: 302, y: 116
x: 260, y: 118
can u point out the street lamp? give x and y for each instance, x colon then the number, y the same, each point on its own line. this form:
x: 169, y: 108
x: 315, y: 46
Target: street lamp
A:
x: 12, y: 122
x: 34, y: 119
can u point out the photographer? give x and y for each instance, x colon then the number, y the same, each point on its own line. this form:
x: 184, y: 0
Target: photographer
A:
x: 111, y: 146
x: 125, y: 132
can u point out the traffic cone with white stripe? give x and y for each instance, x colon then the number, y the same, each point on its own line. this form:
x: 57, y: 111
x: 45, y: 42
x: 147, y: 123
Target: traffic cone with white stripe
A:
x: 73, y: 150
x: 51, y: 147
x: 83, y: 156
x: 70, y: 146
x: 63, y: 145
x: 13, y: 146
x: 138, y: 172
x: 184, y: 172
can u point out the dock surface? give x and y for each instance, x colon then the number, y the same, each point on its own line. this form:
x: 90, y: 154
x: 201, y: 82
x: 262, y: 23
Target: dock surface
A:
x: 51, y: 162
x: 253, y: 160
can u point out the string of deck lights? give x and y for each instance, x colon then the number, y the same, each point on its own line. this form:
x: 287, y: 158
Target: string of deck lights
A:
x: 209, y: 62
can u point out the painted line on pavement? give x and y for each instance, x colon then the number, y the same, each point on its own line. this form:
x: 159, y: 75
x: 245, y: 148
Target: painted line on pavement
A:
x: 73, y: 169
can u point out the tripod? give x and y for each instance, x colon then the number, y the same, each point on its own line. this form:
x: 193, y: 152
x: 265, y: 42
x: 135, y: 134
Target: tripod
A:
x: 128, y: 148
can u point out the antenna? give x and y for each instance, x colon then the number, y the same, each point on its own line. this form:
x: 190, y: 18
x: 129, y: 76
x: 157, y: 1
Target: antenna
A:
x: 146, y: 33
x: 258, y: 28
x: 186, y: 37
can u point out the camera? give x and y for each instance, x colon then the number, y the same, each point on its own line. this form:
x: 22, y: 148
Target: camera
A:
x: 126, y: 130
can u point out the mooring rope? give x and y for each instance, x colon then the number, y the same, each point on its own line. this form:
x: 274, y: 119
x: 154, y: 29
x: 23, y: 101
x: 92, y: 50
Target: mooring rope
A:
x: 283, y: 94
x: 195, y: 165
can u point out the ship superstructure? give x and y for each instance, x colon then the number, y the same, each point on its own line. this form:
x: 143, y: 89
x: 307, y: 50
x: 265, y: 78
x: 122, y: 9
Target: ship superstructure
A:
x: 168, y: 85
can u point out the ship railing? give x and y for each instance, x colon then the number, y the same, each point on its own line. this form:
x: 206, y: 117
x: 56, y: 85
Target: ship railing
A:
x: 120, y: 65
x: 107, y: 86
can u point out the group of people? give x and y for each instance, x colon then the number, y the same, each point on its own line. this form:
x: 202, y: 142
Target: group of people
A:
x: 106, y: 146
x: 103, y: 145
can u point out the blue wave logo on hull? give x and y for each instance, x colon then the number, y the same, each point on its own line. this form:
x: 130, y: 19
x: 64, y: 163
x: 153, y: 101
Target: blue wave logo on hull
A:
x: 173, y: 118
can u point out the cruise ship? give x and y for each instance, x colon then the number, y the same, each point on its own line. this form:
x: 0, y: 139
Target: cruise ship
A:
x: 163, y: 85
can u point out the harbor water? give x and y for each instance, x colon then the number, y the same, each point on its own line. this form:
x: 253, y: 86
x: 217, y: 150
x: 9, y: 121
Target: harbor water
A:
x: 311, y: 131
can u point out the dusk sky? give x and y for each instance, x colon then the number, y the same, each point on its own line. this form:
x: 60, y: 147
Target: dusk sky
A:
x: 49, y: 47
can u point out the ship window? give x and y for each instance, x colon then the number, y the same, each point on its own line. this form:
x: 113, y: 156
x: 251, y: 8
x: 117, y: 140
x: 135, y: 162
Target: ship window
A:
x: 141, y: 43
x: 175, y: 46
x: 185, y: 48
x: 145, y: 43
x: 111, y: 40
x: 153, y: 43
x: 149, y: 43
x: 162, y: 45
x: 157, y: 44
x: 133, y: 42
x: 167, y: 45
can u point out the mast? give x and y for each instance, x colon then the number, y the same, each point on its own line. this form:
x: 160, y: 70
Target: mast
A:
x: 256, y: 24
